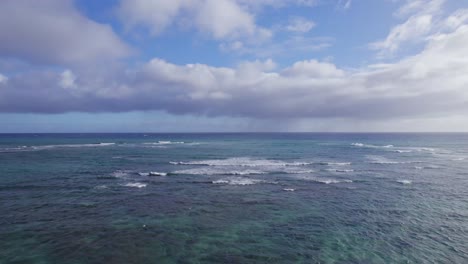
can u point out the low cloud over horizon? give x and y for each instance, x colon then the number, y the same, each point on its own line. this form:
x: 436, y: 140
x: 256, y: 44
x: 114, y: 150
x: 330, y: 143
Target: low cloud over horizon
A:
x: 55, y: 57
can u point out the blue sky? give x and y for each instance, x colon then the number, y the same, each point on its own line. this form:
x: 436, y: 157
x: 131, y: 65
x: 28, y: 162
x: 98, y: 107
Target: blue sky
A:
x: 233, y: 65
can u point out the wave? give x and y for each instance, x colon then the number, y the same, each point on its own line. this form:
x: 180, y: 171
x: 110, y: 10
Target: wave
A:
x: 164, y: 142
x: 45, y: 147
x: 241, y: 171
x: 289, y: 189
x: 241, y: 162
x: 331, y: 181
x: 155, y: 173
x: 404, y: 182
x: 370, y: 146
x: 340, y: 170
x: 382, y: 160
x: 72, y: 146
x: 212, y: 171
x: 120, y: 174
x: 430, y: 167
x: 392, y: 148
x: 241, y: 181
x: 403, y: 151
x: 334, y: 163
x: 135, y: 185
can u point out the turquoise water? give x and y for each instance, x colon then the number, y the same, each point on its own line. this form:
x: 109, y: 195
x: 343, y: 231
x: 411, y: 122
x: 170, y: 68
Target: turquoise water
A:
x: 234, y: 198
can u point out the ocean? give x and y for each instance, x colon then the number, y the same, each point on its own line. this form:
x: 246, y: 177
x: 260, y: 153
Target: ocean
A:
x: 234, y: 198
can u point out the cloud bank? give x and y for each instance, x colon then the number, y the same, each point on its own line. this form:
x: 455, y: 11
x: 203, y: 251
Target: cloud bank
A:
x: 432, y: 82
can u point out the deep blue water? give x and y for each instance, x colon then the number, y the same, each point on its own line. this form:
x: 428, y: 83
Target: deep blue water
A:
x: 234, y: 198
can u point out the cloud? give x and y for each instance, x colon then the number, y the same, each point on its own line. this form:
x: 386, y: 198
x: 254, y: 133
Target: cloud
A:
x: 67, y: 80
x: 292, y: 45
x: 414, y: 29
x: 344, y: 4
x: 3, y: 79
x: 300, y: 25
x: 54, y: 32
x: 418, y: 7
x: 423, y: 19
x: 219, y: 19
x: 429, y: 84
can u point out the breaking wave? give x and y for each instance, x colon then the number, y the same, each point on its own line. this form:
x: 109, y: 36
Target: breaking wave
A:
x: 241, y: 162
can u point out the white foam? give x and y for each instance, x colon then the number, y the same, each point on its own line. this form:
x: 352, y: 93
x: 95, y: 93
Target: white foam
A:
x: 381, y: 160
x: 155, y: 173
x: 135, y: 185
x: 120, y: 174
x: 143, y: 173
x: 370, y: 146
x: 289, y: 189
x: 220, y: 182
x: 239, y: 181
x: 164, y: 142
x: 331, y: 181
x: 294, y: 170
x: 335, y: 163
x: 241, y: 162
x: 403, y: 151
x: 340, y: 170
x: 218, y: 171
x: 428, y: 167
x: 43, y: 147
x: 405, y: 182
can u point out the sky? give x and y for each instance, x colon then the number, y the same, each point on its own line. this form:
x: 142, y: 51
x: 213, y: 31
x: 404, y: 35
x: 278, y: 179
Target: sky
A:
x: 233, y: 65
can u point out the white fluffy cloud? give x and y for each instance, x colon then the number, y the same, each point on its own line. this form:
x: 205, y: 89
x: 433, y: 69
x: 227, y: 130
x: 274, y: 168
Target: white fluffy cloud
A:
x: 300, y: 24
x: 53, y: 31
x: 220, y: 19
x: 3, y: 79
x: 422, y: 19
x: 431, y: 83
x: 414, y: 29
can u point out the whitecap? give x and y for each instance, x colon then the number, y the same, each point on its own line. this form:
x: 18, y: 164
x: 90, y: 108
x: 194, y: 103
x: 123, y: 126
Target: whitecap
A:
x: 335, y: 163
x: 241, y: 162
x: 403, y: 151
x: 135, y: 185
x: 164, y: 142
x: 289, y: 189
x: 405, y: 182
x: 155, y: 173
x: 43, y: 147
x: 370, y: 146
x: 143, y: 173
x: 331, y: 181
x: 120, y: 174
x: 218, y: 171
x: 239, y: 181
x: 381, y: 160
x: 340, y: 170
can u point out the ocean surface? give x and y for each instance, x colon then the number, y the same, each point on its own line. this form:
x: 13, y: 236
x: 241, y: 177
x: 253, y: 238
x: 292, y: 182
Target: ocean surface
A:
x: 234, y: 198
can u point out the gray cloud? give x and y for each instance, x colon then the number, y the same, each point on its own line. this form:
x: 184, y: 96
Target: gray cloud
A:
x: 432, y: 82
x: 54, y: 32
